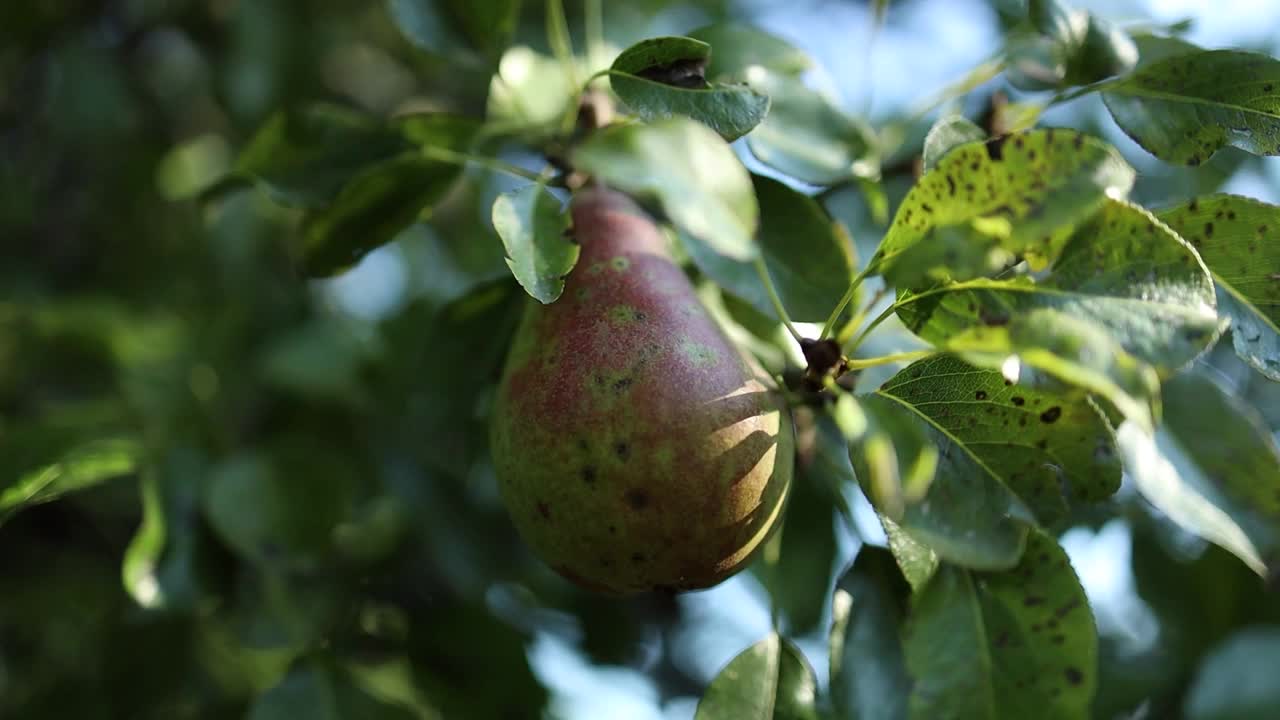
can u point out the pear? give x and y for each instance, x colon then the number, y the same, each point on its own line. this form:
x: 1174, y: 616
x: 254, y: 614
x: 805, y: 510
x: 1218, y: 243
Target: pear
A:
x: 635, y: 446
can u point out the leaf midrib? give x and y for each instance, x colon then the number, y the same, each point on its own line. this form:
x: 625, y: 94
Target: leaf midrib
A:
x: 1142, y: 92
x: 1244, y: 300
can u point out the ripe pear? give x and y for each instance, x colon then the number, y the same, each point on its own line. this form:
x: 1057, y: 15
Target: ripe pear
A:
x: 635, y: 446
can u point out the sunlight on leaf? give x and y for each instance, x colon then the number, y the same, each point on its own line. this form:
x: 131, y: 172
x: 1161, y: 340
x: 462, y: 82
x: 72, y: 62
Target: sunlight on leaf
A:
x: 1213, y: 468
x: 768, y: 680
x: 691, y: 172
x: 1045, y: 183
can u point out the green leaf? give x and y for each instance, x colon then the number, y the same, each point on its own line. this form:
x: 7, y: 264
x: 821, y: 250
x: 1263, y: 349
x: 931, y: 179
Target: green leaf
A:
x: 1185, y: 108
x: 452, y: 27
x: 371, y: 210
x: 664, y: 77
x: 868, y: 673
x: 893, y: 455
x: 691, y: 172
x: 1043, y: 183
x: 451, y: 356
x: 319, y: 359
x: 947, y: 133
x: 321, y: 690
x: 1154, y: 48
x: 171, y: 563
x: 737, y: 46
x: 1089, y: 47
x: 303, y: 158
x: 1058, y: 21
x: 799, y: 582
x: 830, y: 464
x: 1015, y: 644
x: 1237, y: 680
x: 1035, y: 62
x: 1041, y: 635
x: 253, y: 503
x: 769, y: 680
x: 1122, y: 270
x: 1052, y: 449
x: 948, y: 253
x: 968, y: 516
x: 1234, y: 236
x: 806, y: 136
x: 916, y: 560
x: 438, y: 129
x: 947, y: 653
x: 674, y: 60
x: 1213, y: 468
x: 456, y: 651
x: 1107, y: 50
x: 808, y: 256
x: 79, y: 467
x: 533, y: 230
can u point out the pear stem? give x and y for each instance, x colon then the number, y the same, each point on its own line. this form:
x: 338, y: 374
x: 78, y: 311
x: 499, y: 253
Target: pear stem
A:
x: 857, y: 364
x: 872, y: 326
x: 769, y: 289
x: 844, y: 302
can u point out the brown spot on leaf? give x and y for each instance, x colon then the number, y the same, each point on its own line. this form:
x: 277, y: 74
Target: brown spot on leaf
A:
x: 686, y: 73
x: 981, y: 395
x: 1018, y: 400
x: 1051, y: 415
x: 995, y: 147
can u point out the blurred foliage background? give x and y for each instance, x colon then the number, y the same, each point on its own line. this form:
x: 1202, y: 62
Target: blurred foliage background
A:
x: 227, y: 490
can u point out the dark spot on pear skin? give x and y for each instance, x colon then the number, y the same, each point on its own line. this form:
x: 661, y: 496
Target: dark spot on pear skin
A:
x: 589, y: 475
x: 637, y: 498
x: 1051, y: 415
x: 622, y: 450
x: 1032, y: 601
x: 637, y: 558
x: 1074, y: 676
x: 621, y: 384
x: 544, y: 510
